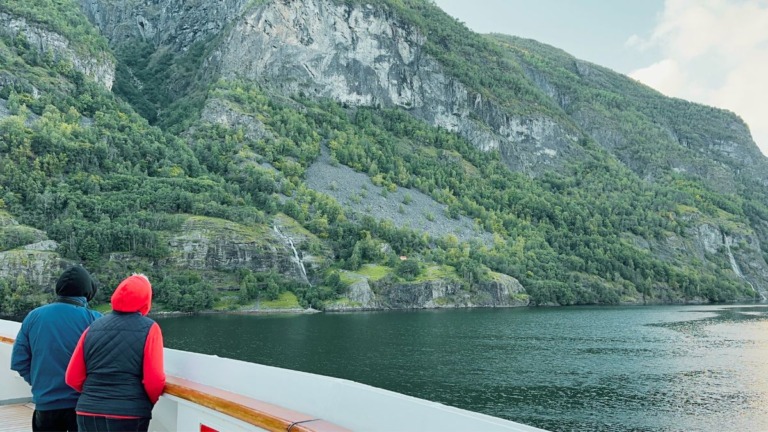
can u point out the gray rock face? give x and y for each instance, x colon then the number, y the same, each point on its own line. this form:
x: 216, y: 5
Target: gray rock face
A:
x: 361, y: 293
x: 747, y: 262
x: 100, y: 69
x: 717, y: 158
x: 37, y: 262
x: 356, y: 191
x: 420, y: 295
x: 39, y: 268
x: 361, y: 55
x: 446, y: 293
x: 217, y: 111
x: 358, y: 55
x: 389, y: 293
x: 709, y: 238
x: 355, y: 55
x: 740, y: 250
x: 174, y: 23
x: 214, y: 244
x: 504, y: 291
x: 44, y: 246
x: 4, y: 112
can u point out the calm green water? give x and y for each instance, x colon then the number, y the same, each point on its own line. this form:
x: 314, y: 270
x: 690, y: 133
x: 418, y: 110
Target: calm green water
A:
x: 685, y: 368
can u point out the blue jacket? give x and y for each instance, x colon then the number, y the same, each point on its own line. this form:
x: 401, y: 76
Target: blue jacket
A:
x: 43, y: 347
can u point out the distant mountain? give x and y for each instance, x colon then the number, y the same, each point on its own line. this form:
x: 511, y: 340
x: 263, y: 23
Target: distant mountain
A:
x: 356, y: 155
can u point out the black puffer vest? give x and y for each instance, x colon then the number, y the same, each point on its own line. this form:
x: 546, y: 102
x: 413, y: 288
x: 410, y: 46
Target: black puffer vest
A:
x: 114, y: 361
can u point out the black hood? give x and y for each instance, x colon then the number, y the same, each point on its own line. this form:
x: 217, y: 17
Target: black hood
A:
x: 76, y: 282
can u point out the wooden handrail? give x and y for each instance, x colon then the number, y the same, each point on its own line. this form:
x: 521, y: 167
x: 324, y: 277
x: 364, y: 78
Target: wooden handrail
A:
x: 252, y: 411
x: 246, y: 409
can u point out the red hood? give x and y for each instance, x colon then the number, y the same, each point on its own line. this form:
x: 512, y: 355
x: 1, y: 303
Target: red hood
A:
x: 134, y: 294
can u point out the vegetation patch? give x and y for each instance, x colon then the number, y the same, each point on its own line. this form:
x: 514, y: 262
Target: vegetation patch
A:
x: 374, y: 272
x: 216, y: 227
x: 435, y: 273
x: 14, y: 236
x: 342, y: 302
x: 286, y: 300
x: 63, y: 17
x: 443, y: 302
x: 291, y: 225
x: 348, y: 277
x: 520, y: 298
x: 106, y: 308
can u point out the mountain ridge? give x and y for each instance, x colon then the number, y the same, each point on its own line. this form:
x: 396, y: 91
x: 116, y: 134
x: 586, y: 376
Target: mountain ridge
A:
x: 594, y: 189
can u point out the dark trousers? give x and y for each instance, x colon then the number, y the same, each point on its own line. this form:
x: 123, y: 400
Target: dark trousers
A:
x: 98, y: 424
x: 54, y: 420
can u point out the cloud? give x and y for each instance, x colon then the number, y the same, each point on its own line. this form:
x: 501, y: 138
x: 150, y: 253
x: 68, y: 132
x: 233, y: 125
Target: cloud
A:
x: 665, y: 76
x: 716, y: 53
x: 634, y: 41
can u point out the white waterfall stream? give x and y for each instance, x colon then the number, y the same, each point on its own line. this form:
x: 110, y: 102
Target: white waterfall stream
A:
x: 735, y: 266
x: 296, y: 257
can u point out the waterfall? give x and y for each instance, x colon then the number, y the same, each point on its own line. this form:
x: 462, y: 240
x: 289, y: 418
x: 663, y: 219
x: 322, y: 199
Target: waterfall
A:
x: 735, y: 266
x: 296, y: 257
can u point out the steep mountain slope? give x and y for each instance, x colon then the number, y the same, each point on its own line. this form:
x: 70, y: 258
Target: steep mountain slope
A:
x: 652, y: 134
x: 555, y: 181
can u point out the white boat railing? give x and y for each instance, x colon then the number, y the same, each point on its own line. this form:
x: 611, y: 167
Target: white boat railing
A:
x: 210, y: 393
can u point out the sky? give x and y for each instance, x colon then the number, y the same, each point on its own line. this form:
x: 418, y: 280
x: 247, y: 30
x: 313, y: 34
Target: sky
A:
x: 713, y: 52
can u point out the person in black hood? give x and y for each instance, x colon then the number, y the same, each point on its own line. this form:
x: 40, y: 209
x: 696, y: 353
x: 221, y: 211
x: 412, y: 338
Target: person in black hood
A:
x: 76, y: 282
x: 45, y: 344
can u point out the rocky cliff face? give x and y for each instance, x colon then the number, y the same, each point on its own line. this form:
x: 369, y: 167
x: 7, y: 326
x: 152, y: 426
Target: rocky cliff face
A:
x: 176, y: 24
x: 28, y: 254
x: 99, y: 68
x: 502, y: 291
x: 39, y: 268
x: 216, y: 244
x: 220, y: 112
x: 717, y: 157
x: 753, y: 268
x: 358, y: 55
x: 203, y: 243
x: 737, y: 248
x: 363, y: 55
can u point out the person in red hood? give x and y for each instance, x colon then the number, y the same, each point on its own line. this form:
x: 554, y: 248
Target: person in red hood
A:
x: 117, y: 365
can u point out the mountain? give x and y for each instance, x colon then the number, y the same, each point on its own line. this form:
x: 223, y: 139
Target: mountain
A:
x: 356, y: 155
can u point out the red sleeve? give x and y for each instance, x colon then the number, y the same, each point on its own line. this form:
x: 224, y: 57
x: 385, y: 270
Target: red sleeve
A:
x: 154, y: 372
x: 75, y: 376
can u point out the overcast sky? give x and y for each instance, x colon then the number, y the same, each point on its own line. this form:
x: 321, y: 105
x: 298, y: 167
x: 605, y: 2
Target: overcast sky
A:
x: 713, y: 52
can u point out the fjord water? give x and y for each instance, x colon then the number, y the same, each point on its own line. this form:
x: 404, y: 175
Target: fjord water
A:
x: 659, y: 368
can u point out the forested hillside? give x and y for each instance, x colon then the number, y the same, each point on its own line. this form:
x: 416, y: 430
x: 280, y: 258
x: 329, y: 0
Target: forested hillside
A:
x: 144, y: 145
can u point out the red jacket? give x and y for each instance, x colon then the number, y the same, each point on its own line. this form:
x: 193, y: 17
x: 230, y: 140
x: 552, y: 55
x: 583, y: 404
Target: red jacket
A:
x: 134, y: 294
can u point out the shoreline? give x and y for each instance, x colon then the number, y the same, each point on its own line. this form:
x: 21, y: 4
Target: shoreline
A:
x: 301, y: 311
x: 291, y: 311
